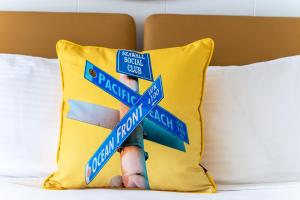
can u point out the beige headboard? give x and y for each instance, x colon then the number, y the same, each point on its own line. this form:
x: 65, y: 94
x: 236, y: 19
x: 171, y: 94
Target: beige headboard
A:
x: 34, y: 33
x: 238, y: 40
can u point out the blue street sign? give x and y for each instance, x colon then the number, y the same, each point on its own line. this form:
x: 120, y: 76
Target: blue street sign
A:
x: 124, y: 128
x: 128, y: 97
x: 134, y: 64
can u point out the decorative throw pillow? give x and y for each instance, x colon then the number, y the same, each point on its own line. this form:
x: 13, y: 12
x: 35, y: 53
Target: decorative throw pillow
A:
x: 152, y: 146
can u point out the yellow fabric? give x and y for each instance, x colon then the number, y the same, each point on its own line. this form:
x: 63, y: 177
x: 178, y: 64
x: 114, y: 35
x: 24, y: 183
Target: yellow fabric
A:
x: 183, y: 73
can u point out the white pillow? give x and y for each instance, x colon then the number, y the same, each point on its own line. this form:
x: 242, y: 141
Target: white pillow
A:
x: 252, y: 123
x: 30, y: 105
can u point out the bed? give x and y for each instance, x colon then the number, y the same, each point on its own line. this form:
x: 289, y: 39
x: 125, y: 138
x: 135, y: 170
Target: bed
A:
x: 29, y: 188
x: 239, y: 40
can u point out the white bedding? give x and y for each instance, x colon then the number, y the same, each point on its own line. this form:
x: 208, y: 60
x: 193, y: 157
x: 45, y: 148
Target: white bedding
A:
x: 23, y: 189
x: 251, y: 117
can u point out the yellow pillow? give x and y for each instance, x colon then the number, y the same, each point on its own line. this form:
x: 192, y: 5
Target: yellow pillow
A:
x: 173, y: 165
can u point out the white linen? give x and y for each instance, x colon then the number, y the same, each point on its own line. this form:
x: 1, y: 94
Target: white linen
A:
x: 252, y: 123
x: 29, y: 189
x: 30, y: 105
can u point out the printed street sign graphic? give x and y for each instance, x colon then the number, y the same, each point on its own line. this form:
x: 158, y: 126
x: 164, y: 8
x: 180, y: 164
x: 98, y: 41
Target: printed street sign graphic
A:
x: 127, y: 96
x: 134, y: 64
x: 139, y: 117
x: 124, y: 128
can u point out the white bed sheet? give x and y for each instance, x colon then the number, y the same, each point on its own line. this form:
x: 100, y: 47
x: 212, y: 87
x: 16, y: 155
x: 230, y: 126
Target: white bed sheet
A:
x: 23, y: 189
